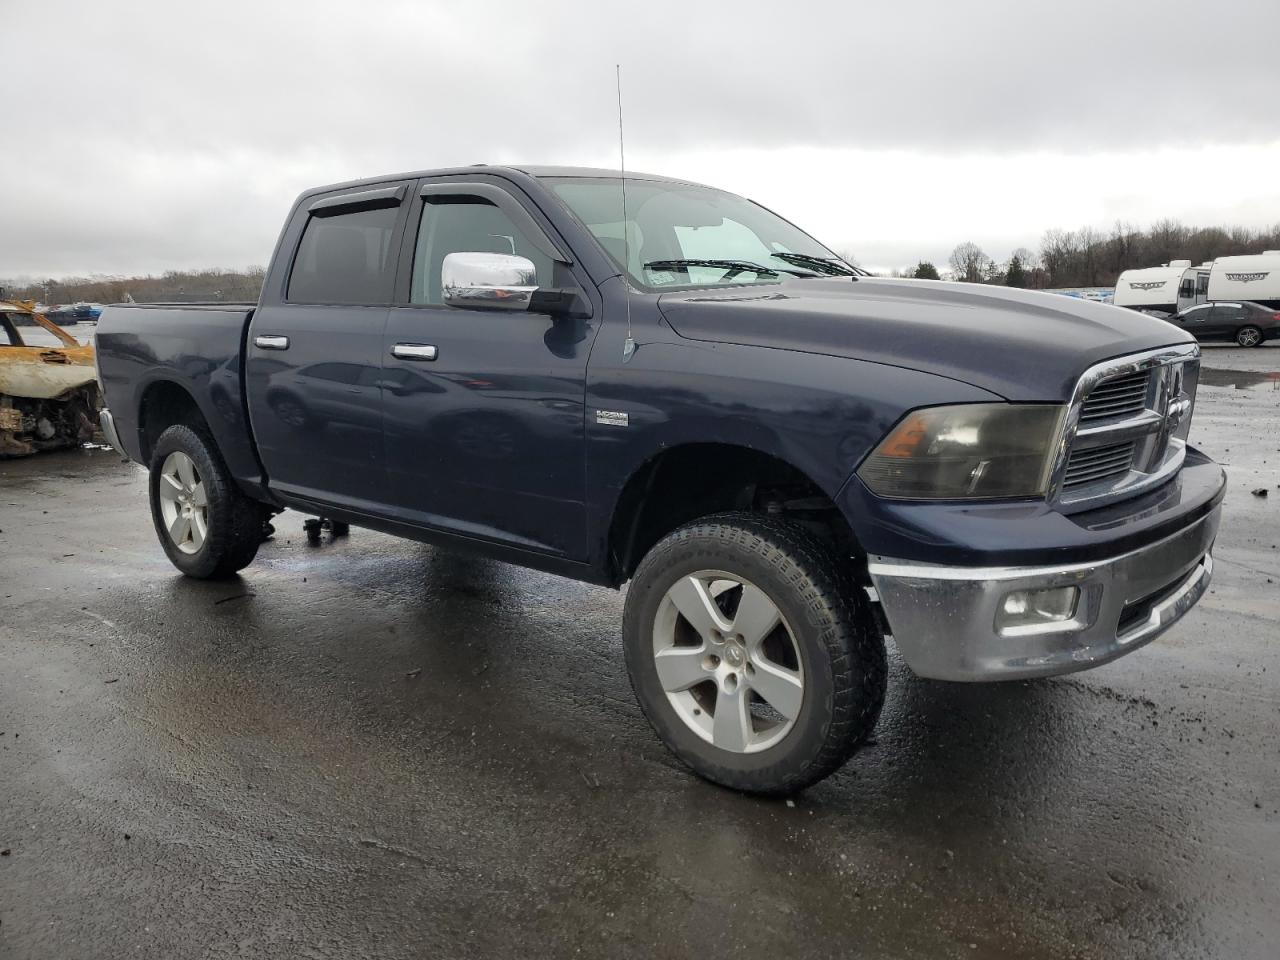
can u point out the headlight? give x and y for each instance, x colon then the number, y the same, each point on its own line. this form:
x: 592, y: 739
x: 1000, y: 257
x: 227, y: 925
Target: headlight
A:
x: 969, y: 452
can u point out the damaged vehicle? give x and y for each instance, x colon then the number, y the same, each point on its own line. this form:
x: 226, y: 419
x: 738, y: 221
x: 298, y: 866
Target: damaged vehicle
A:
x: 49, y: 396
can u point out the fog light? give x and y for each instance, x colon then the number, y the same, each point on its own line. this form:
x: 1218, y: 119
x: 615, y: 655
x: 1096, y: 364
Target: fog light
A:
x: 1028, y: 611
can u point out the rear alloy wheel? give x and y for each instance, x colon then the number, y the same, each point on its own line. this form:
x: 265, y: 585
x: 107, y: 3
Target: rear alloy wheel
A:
x: 753, y: 653
x: 1249, y: 336
x: 184, y: 503
x: 208, y: 528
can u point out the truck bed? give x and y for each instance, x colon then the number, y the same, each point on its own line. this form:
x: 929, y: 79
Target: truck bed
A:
x: 196, y: 346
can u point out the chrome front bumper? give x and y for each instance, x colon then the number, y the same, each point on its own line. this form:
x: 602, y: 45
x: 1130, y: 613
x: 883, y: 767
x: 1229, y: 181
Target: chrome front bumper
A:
x: 944, y: 619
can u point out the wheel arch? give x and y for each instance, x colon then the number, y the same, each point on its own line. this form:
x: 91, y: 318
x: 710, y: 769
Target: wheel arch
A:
x: 688, y: 481
x: 162, y: 404
x: 211, y: 407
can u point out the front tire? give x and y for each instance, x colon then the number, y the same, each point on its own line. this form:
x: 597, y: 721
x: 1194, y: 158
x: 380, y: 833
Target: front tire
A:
x: 208, y: 528
x: 753, y: 653
x: 1249, y: 337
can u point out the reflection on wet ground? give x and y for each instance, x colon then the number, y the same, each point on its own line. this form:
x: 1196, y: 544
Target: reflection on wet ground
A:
x: 1241, y: 379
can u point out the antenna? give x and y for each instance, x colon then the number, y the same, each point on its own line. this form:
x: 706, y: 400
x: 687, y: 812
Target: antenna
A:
x: 628, y: 345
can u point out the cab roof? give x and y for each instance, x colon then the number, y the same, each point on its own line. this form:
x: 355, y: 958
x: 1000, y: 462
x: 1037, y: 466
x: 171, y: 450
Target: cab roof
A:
x: 535, y: 171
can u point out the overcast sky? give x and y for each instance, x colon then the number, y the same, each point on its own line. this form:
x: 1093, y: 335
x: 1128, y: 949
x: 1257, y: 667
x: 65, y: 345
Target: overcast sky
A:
x: 144, y: 136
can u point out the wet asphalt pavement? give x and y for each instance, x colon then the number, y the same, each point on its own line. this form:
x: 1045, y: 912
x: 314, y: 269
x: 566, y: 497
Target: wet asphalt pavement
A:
x: 372, y: 748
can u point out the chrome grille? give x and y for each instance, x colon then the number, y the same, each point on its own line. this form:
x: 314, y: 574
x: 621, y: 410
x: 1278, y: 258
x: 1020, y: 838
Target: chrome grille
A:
x: 1126, y: 428
x: 1095, y: 464
x: 1120, y: 397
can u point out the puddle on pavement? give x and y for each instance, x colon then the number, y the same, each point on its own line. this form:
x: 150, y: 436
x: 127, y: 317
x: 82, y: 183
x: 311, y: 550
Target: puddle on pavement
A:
x: 1241, y: 379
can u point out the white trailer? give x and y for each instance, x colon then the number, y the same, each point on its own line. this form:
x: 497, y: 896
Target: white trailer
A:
x: 1169, y: 288
x: 1255, y: 277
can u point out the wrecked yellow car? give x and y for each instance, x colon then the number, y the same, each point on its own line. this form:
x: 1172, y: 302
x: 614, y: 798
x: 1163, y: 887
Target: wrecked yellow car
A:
x: 49, y: 395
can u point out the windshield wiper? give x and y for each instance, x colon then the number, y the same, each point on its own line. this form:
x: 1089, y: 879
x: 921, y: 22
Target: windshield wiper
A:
x: 828, y: 265
x: 732, y: 267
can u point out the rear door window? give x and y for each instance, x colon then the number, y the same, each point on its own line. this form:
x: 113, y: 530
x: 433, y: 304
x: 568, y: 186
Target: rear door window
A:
x: 346, y: 258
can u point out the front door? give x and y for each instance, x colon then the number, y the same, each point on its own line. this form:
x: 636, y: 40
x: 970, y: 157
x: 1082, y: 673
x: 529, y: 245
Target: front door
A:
x: 484, y: 426
x: 314, y: 368
x: 1196, y: 320
x: 1225, y: 320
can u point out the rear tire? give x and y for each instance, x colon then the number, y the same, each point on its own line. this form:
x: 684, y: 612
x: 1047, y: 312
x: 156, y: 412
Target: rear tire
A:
x: 803, y: 693
x: 208, y: 528
x: 1249, y: 337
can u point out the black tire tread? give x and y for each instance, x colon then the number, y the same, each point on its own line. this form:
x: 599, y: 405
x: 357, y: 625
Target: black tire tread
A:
x: 837, y: 608
x: 235, y: 521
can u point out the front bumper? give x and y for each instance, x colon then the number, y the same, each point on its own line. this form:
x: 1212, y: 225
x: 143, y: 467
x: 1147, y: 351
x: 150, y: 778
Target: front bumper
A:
x: 944, y: 618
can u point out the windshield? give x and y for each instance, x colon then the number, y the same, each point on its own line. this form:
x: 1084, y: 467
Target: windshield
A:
x: 680, y: 234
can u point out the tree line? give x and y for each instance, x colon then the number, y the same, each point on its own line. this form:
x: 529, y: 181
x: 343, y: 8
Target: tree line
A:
x: 1087, y: 257
x: 1094, y: 258
x: 173, y: 286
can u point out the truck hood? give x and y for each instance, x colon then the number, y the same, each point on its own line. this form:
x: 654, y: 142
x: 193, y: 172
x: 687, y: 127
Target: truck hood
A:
x: 1018, y: 344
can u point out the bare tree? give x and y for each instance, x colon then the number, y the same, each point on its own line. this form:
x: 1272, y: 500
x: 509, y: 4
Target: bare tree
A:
x: 1122, y: 247
x: 1090, y: 245
x: 1165, y: 241
x: 969, y: 263
x: 1057, y: 253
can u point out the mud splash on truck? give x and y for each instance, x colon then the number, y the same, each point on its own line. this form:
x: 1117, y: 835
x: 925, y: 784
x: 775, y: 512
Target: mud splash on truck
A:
x: 49, y: 396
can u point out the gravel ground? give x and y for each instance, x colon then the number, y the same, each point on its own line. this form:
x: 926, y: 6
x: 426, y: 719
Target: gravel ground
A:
x: 372, y: 748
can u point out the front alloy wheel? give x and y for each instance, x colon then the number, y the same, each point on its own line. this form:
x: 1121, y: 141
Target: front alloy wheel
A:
x: 727, y: 661
x: 753, y: 652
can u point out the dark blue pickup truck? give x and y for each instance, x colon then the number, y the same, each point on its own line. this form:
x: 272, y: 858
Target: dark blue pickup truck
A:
x: 789, y: 460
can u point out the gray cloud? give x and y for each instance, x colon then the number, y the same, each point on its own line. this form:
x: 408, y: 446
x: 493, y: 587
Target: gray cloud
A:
x: 175, y: 134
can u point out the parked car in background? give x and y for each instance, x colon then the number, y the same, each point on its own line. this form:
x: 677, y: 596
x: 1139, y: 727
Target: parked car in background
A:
x: 1248, y: 324
x: 68, y: 315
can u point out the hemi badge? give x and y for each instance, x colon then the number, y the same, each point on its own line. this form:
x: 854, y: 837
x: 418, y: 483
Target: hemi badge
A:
x: 612, y: 418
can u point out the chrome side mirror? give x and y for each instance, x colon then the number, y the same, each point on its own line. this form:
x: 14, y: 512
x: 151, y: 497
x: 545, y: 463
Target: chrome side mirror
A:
x: 488, y: 281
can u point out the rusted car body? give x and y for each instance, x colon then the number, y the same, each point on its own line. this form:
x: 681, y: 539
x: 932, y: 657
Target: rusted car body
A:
x: 49, y: 395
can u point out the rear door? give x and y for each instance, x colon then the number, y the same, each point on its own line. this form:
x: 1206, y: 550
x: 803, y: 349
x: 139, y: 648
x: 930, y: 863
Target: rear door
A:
x: 314, y: 356
x: 485, y: 428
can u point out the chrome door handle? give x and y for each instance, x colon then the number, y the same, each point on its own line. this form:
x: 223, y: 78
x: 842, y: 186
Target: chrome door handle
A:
x: 271, y: 343
x: 413, y: 351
